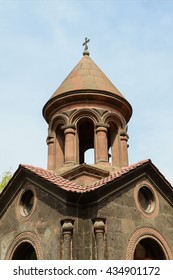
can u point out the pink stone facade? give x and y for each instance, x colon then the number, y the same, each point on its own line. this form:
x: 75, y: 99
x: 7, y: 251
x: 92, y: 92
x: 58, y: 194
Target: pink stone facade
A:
x: 87, y: 112
x: 75, y: 210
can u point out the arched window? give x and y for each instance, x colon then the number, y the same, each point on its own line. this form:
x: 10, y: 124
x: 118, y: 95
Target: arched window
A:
x: 25, y: 246
x: 25, y: 251
x: 148, y: 249
x: 86, y: 141
x: 113, y: 145
x: 60, y: 140
x: 148, y: 243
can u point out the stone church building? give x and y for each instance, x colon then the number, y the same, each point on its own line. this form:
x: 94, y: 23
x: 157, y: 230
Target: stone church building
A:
x: 73, y: 210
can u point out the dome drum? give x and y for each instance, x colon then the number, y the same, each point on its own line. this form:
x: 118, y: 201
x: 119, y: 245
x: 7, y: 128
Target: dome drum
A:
x: 87, y: 113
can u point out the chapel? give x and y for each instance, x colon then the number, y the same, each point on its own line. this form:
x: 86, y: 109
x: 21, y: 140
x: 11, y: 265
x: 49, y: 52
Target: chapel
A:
x: 80, y: 209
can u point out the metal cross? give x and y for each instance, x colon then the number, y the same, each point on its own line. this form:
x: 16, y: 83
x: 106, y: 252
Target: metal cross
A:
x: 85, y: 44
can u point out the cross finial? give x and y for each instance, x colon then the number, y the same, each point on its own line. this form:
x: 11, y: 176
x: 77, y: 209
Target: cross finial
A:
x: 86, y: 52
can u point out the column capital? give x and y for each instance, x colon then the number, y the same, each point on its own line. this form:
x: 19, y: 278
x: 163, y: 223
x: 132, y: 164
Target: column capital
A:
x: 50, y: 138
x: 124, y: 135
x: 99, y: 225
x: 69, y: 129
x: 105, y: 125
x: 67, y: 226
x: 72, y: 126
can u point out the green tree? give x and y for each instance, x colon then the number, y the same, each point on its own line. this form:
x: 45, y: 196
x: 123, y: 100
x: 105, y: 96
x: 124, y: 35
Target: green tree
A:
x: 5, y: 179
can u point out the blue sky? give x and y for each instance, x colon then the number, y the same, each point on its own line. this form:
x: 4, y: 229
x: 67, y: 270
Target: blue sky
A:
x: 41, y: 42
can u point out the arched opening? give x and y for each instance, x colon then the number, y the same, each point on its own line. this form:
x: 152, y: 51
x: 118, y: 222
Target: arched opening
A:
x: 89, y: 156
x: 110, y: 155
x: 86, y: 141
x: 60, y: 141
x: 149, y: 249
x: 113, y: 145
x: 25, y: 251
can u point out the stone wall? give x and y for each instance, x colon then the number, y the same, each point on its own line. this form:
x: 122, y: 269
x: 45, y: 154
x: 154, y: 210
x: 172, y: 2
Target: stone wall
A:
x: 102, y: 231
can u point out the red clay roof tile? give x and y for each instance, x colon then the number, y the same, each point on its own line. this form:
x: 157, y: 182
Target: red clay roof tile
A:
x: 70, y: 186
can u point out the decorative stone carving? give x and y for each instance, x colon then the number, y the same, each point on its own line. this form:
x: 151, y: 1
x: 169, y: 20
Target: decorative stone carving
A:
x: 143, y: 233
x: 67, y: 231
x: 99, y: 230
x: 25, y: 237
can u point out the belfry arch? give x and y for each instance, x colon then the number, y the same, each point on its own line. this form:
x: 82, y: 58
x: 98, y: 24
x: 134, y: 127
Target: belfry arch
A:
x: 59, y: 146
x: 113, y: 144
x: 85, y: 141
x: 89, y: 114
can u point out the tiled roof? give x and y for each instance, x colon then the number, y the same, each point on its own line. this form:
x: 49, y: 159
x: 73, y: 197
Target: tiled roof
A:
x: 70, y: 186
x: 119, y: 173
x: 53, y: 178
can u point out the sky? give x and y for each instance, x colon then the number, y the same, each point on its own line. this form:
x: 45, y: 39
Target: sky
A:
x: 41, y: 42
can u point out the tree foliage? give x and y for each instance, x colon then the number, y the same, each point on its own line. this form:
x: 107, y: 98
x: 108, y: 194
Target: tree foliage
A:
x: 5, y: 179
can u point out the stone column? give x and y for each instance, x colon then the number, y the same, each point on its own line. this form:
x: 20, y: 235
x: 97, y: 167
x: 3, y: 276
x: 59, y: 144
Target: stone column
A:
x: 99, y: 230
x: 116, y: 149
x: 70, y: 148
x: 51, y: 152
x: 124, y: 153
x: 67, y: 231
x: 101, y: 144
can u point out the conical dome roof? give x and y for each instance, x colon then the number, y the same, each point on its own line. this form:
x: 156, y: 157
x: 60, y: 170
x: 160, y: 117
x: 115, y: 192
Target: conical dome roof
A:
x: 86, y: 75
x: 86, y: 84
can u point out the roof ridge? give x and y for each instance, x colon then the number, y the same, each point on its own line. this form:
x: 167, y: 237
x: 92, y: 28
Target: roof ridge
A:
x: 52, y: 177
x: 71, y: 186
x: 118, y: 173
